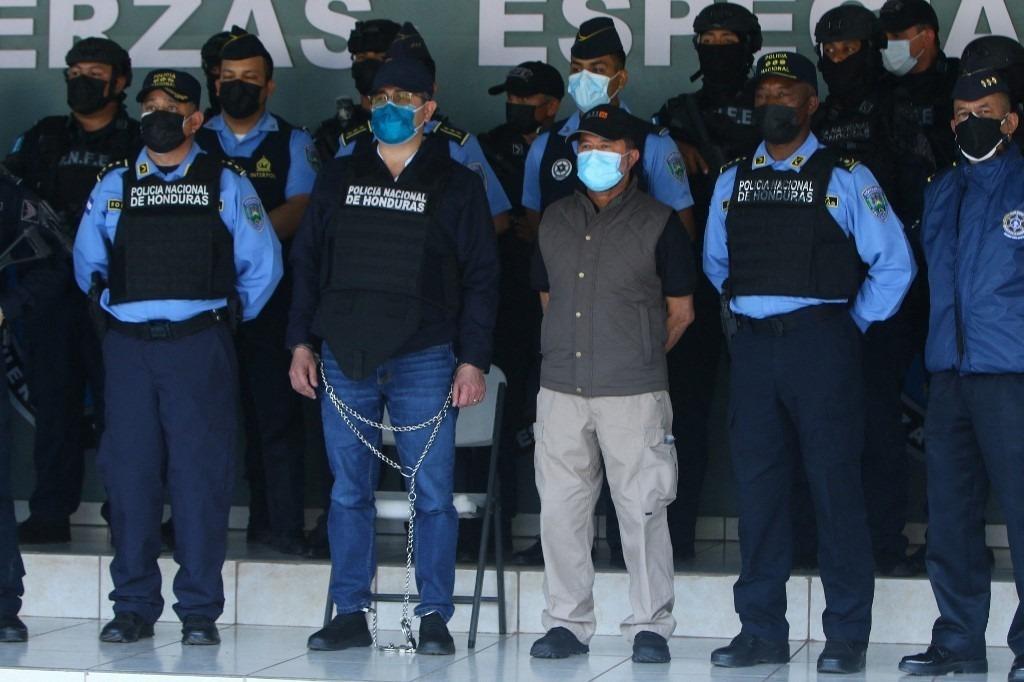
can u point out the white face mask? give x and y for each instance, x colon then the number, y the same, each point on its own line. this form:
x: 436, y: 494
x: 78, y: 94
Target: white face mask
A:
x: 590, y: 89
x: 897, y: 59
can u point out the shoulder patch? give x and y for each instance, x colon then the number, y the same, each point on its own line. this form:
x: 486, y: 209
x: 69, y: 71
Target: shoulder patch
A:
x: 252, y: 208
x: 847, y: 163
x: 113, y: 165
x: 232, y: 166
x: 874, y: 199
x: 347, y: 137
x: 735, y: 162
x: 460, y: 136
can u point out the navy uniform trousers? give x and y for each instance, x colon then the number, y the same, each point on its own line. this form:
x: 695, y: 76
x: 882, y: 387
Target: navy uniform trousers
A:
x: 11, y: 568
x: 974, y: 434
x: 174, y: 404
x: 796, y: 395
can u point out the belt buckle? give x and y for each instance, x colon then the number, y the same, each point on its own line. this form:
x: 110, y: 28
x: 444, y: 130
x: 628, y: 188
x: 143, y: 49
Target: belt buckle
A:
x: 159, y: 329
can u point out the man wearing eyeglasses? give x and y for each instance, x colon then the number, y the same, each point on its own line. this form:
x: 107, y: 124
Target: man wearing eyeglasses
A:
x: 396, y: 288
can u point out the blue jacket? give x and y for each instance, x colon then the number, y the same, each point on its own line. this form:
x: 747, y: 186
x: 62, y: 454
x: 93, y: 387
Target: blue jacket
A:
x: 973, y: 234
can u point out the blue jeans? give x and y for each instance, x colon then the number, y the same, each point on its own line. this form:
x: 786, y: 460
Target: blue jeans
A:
x: 413, y: 387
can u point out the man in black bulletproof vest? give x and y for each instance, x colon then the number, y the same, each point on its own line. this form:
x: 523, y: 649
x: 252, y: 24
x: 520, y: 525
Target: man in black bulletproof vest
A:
x: 59, y: 158
x: 396, y: 278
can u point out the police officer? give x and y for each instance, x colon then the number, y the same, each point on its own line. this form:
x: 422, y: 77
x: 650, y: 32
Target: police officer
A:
x: 42, y: 273
x: 280, y: 161
x: 463, y: 147
x: 973, y: 234
x: 368, y: 44
x: 210, y: 55
x: 711, y: 127
x: 533, y: 92
x: 168, y: 296
x: 1005, y: 55
x: 788, y: 236
x: 58, y: 158
x: 400, y: 327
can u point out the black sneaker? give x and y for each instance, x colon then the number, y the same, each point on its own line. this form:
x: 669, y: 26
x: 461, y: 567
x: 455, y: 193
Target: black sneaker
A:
x: 558, y: 643
x: 650, y: 647
x: 199, y: 630
x: 127, y: 627
x: 435, y: 640
x: 346, y: 631
x: 746, y: 650
x: 37, y: 531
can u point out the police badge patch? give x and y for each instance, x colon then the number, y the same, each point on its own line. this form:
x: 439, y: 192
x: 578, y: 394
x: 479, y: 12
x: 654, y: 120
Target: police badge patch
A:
x: 676, y: 166
x: 253, y: 210
x: 312, y: 157
x: 876, y: 202
x: 561, y: 169
x: 1013, y: 225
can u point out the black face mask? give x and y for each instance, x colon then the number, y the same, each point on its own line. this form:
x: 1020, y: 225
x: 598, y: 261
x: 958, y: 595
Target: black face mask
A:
x: 211, y: 93
x: 521, y: 118
x: 87, y: 95
x: 978, y: 137
x: 852, y: 79
x: 724, y: 65
x: 363, y: 73
x: 240, y: 99
x: 162, y: 131
x: 778, y: 123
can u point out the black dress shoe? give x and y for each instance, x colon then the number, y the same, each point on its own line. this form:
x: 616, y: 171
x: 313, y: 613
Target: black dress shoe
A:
x: 37, y: 531
x: 200, y: 630
x: 746, y: 650
x: 293, y: 543
x: 435, y: 640
x: 12, y: 629
x: 558, y: 643
x: 938, y: 660
x: 650, y: 647
x: 842, y: 658
x: 127, y: 627
x: 1016, y: 670
x: 347, y: 630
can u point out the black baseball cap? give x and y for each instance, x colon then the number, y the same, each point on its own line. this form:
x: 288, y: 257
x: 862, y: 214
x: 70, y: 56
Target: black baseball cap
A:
x: 609, y: 122
x: 899, y: 15
x: 531, y: 78
x: 596, y: 38
x: 973, y: 86
x: 405, y: 73
x: 178, y: 84
x: 787, y: 65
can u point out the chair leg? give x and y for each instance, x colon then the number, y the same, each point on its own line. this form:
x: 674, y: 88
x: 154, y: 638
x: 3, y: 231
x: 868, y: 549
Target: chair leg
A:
x: 329, y: 608
x: 499, y: 562
x: 481, y: 567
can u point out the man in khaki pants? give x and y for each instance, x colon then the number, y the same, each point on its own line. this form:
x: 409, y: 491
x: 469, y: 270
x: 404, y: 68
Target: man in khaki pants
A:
x: 616, y: 272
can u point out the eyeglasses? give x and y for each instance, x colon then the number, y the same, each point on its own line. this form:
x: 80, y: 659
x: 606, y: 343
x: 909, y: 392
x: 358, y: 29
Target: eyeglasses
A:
x: 402, y: 98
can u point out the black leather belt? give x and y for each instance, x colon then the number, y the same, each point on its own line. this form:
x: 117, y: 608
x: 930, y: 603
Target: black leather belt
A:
x: 162, y: 330
x: 778, y: 325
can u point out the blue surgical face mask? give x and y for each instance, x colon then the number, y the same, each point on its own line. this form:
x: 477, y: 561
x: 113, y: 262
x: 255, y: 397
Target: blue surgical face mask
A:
x: 897, y: 59
x: 393, y: 124
x: 599, y: 170
x: 590, y: 89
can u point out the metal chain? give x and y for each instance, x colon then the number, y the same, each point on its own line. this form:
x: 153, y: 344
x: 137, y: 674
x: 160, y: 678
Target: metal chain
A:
x: 409, y: 473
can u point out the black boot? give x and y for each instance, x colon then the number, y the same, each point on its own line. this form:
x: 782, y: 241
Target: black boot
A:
x: 347, y: 630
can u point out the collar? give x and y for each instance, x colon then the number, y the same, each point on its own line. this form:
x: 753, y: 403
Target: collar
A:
x: 573, y: 124
x: 795, y: 161
x: 987, y: 171
x: 267, y: 123
x: 385, y: 164
x: 145, y: 166
x: 617, y: 202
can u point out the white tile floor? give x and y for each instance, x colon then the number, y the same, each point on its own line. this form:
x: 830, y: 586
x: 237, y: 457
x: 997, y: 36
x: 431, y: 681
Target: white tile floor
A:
x: 66, y: 650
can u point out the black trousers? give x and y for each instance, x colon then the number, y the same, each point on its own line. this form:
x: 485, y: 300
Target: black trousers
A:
x: 64, y: 359
x: 11, y: 567
x: 974, y: 435
x: 798, y: 396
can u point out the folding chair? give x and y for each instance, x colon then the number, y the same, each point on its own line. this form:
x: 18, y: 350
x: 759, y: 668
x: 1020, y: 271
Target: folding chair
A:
x: 478, y: 426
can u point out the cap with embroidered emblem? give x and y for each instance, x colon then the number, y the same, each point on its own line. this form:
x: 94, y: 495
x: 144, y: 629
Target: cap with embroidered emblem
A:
x: 531, y: 78
x: 596, y: 38
x: 609, y: 122
x: 178, y: 84
x: 787, y: 65
x: 973, y: 86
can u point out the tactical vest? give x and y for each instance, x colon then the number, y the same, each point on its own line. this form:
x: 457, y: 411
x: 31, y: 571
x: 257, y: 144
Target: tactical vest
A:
x: 171, y: 242
x: 362, y: 137
x: 267, y: 167
x: 722, y: 132
x: 782, y: 239
x: 558, y: 178
x: 506, y: 149
x: 390, y: 266
x: 63, y: 164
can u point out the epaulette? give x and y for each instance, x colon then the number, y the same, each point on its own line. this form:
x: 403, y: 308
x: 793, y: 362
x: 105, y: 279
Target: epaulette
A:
x: 847, y: 162
x: 660, y: 131
x: 232, y: 166
x: 113, y: 165
x: 735, y: 162
x: 461, y: 136
x: 347, y: 137
x: 944, y: 171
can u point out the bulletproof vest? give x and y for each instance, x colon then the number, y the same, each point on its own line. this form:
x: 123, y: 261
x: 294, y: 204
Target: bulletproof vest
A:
x: 558, y: 177
x: 170, y: 241
x: 63, y: 165
x: 390, y: 264
x: 721, y: 130
x: 782, y: 239
x: 267, y: 167
x: 862, y: 133
x: 363, y: 138
x: 506, y: 151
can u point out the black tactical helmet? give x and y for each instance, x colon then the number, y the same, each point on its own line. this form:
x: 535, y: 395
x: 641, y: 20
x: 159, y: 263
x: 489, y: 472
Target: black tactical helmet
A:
x: 103, y: 51
x: 211, y: 50
x: 848, y: 22
x: 373, y: 35
x: 991, y: 52
x: 729, y: 17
